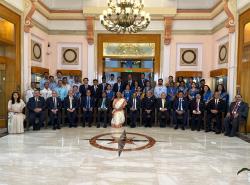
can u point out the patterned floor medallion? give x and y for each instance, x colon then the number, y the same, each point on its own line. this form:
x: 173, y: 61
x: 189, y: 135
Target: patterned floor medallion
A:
x: 127, y: 141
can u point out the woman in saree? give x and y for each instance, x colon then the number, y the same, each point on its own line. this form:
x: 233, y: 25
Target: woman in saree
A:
x: 118, y: 117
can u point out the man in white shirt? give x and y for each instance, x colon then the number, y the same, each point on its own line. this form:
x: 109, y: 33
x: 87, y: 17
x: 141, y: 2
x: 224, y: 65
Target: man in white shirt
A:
x: 46, y: 92
x: 112, y: 80
x: 30, y: 92
x: 159, y: 89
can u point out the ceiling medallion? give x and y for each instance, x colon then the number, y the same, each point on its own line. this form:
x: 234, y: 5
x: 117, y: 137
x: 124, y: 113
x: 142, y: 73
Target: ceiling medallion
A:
x: 125, y: 16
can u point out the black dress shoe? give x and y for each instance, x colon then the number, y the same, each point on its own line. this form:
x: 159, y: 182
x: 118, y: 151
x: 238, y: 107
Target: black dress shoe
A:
x: 217, y: 132
x: 176, y: 127
x: 182, y: 128
x: 54, y: 128
x: 226, y: 134
x: 83, y: 125
x: 105, y: 126
x: 89, y: 125
x: 98, y: 126
x: 207, y: 130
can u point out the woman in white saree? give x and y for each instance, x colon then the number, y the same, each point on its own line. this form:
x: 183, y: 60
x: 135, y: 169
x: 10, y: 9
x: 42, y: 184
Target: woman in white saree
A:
x: 15, y: 116
x: 118, y: 117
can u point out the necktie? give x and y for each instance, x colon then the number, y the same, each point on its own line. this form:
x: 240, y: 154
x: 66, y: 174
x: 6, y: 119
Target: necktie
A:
x: 236, y: 106
x: 103, y: 103
x: 119, y: 85
x: 70, y: 101
x: 55, y: 104
x: 36, y: 99
x: 198, y: 104
x: 179, y: 104
x: 162, y: 103
x: 134, y: 103
x: 88, y: 103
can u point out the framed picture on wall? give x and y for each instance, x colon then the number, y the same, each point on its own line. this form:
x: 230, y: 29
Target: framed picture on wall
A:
x: 70, y: 56
x: 36, y: 51
x: 188, y: 56
x: 223, y: 53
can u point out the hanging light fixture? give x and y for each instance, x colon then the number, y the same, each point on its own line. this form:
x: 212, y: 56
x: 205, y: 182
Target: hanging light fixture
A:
x: 125, y: 16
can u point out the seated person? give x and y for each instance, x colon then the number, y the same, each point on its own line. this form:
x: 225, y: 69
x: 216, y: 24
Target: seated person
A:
x: 36, y: 106
x: 87, y: 105
x: 163, y: 108
x: 103, y: 109
x: 180, y: 108
x: 54, y: 105
x: 127, y: 92
x: 215, y: 107
x: 197, y: 108
x: 134, y: 105
x: 70, y: 105
x: 148, y: 108
x: 238, y: 111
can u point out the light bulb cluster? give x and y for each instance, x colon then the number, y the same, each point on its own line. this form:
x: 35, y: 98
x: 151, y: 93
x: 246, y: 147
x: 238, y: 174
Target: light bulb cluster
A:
x: 125, y: 16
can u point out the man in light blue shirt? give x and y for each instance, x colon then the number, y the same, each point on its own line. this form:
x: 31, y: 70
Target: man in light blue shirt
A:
x: 43, y: 80
x: 61, y: 91
x: 159, y: 89
x: 52, y: 83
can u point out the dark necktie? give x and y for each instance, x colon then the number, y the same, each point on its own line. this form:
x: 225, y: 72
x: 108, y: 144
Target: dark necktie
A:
x: 55, y: 104
x: 36, y: 99
x: 88, y: 102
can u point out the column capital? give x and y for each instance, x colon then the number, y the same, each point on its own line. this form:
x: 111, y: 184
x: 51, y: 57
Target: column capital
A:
x: 168, y: 21
x: 230, y: 22
x: 90, y: 29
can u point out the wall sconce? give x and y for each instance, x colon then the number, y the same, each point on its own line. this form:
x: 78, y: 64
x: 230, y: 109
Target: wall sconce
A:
x: 48, y: 49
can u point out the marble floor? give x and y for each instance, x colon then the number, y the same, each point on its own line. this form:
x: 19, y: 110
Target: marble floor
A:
x: 178, y: 157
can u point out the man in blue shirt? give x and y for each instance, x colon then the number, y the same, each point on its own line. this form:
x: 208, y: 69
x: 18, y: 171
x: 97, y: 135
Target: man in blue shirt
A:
x: 45, y: 79
x: 61, y: 91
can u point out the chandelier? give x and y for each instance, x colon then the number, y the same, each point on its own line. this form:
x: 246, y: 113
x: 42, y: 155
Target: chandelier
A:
x: 125, y: 16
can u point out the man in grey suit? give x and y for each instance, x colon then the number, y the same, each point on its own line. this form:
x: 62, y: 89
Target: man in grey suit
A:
x: 237, y: 112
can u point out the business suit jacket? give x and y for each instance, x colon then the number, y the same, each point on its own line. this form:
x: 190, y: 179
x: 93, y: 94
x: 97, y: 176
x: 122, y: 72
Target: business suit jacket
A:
x: 166, y: 104
x: 242, y: 110
x: 102, y: 86
x: 148, y: 103
x: 142, y: 83
x: 83, y: 90
x: 96, y: 93
x: 107, y: 103
x: 131, y: 85
x: 40, y: 104
x: 50, y: 103
x: 115, y: 87
x: 138, y: 103
x: 221, y: 107
x: 193, y: 106
x: 67, y: 103
x: 184, y: 104
x: 84, y: 102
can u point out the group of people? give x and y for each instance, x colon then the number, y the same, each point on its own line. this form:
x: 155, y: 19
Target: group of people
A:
x: 177, y: 100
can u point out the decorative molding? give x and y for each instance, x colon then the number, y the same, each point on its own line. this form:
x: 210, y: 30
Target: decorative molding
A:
x: 90, y: 30
x: 230, y: 23
x: 219, y: 72
x: 168, y: 21
x: 187, y: 74
x: 70, y: 72
x: 30, y: 6
x: 39, y: 70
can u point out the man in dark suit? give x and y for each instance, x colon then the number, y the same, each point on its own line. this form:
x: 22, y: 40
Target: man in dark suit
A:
x: 36, y: 106
x: 87, y: 105
x: 130, y: 81
x: 142, y: 81
x: 84, y: 87
x: 238, y: 111
x: 103, y: 109
x: 96, y: 91
x: 215, y: 107
x: 54, y: 105
x: 197, y: 108
x: 103, y: 85
x: 70, y: 105
x: 163, y: 108
x: 118, y: 86
x: 134, y: 105
x: 148, y: 109
x: 180, y: 108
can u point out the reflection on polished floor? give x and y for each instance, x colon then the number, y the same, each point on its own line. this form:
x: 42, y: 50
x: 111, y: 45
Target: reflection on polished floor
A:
x: 65, y: 157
